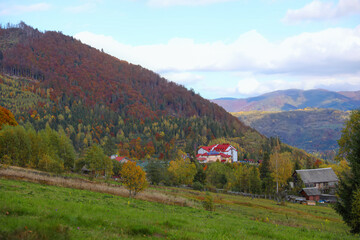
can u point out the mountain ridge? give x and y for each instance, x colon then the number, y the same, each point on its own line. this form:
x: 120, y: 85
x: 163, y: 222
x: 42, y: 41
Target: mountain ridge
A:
x: 292, y: 99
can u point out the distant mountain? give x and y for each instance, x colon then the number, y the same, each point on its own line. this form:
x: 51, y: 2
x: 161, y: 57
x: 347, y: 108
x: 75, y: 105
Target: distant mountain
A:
x: 292, y: 99
x: 314, y: 130
x: 355, y: 95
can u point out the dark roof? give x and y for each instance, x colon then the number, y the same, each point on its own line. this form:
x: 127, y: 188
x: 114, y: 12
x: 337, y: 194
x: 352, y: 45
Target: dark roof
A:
x: 317, y: 175
x: 312, y: 191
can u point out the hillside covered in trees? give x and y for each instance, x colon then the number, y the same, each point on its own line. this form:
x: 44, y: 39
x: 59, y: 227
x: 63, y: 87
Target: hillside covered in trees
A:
x: 56, y: 79
x: 314, y: 130
x: 49, y: 79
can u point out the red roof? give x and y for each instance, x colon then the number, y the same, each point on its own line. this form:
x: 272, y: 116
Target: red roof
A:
x: 222, y: 147
x: 225, y: 155
x: 217, y: 147
x: 207, y: 148
x: 119, y: 159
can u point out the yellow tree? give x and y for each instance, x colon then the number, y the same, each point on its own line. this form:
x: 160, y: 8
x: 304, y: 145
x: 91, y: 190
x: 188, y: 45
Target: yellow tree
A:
x: 6, y: 117
x: 181, y: 169
x: 133, y: 177
x: 281, y: 168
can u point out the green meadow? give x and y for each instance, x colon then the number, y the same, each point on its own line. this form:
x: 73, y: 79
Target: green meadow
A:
x: 36, y: 211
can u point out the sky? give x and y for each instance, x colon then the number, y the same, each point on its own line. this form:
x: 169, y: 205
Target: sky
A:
x: 219, y: 48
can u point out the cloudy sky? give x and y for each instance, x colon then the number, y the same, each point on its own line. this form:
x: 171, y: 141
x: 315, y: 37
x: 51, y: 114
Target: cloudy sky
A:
x: 220, y: 48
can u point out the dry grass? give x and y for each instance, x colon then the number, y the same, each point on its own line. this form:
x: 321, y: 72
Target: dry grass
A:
x: 36, y: 176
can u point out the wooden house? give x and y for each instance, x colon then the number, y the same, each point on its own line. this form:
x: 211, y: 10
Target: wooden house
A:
x: 319, y: 183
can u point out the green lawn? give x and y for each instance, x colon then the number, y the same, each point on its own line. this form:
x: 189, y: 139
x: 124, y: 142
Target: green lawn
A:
x: 35, y: 211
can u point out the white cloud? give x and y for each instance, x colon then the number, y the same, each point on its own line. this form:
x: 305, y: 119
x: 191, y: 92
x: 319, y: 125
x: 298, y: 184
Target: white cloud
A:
x: 321, y: 10
x: 167, y: 3
x: 6, y: 9
x: 328, y: 52
x: 183, y: 77
x: 252, y: 86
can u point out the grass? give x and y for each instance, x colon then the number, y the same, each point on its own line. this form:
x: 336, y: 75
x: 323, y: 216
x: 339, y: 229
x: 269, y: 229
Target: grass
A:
x: 36, y: 211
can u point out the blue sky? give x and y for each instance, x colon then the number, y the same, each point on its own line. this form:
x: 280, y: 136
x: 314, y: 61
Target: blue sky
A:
x: 220, y: 48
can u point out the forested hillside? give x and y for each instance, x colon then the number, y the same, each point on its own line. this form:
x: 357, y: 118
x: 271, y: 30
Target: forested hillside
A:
x: 314, y: 130
x: 50, y: 78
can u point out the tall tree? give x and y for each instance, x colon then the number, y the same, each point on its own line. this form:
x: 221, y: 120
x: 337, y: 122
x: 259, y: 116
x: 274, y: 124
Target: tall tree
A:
x: 265, y: 166
x: 133, y: 177
x: 182, y: 169
x: 349, y: 185
x: 281, y: 168
x: 97, y: 161
x: 255, y: 181
x: 265, y: 174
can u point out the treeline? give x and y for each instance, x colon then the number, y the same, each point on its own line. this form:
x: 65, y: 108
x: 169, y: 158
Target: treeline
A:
x: 229, y: 176
x: 52, y: 151
x: 49, y: 150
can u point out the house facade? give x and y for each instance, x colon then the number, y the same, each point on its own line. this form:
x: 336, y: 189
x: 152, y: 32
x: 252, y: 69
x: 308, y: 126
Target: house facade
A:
x: 319, y: 183
x: 218, y: 152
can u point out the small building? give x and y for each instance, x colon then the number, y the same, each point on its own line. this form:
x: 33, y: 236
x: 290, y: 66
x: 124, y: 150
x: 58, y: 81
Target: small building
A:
x: 319, y: 183
x: 218, y: 152
x: 324, y: 179
x: 311, y: 193
x: 121, y: 159
x: 85, y: 170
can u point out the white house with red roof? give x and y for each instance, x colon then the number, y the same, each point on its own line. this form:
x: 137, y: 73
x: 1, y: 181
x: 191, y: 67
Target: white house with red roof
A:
x: 218, y: 152
x: 120, y: 159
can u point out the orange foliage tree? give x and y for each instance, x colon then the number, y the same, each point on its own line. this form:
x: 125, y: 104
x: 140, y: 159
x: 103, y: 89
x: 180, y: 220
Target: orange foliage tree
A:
x: 6, y: 117
x: 133, y: 177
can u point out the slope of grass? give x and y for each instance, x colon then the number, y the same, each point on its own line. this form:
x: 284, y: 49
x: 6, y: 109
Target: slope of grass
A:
x: 35, y: 211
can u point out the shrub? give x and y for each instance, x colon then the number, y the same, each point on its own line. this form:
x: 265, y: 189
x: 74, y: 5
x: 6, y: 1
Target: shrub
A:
x: 208, y: 203
x: 46, y: 163
x: 198, y: 186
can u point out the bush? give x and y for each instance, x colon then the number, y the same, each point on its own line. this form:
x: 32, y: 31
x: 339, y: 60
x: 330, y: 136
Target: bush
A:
x: 208, y: 203
x: 6, y: 160
x: 46, y: 163
x: 198, y: 186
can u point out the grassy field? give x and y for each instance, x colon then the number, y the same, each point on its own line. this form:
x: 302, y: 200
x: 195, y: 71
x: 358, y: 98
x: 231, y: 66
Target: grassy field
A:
x: 36, y: 211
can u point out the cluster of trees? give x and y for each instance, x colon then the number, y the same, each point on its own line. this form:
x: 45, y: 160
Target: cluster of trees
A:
x: 56, y: 151
x: 47, y: 149
x: 276, y: 168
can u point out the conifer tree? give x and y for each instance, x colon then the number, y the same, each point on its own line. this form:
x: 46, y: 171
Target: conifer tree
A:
x: 349, y: 186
